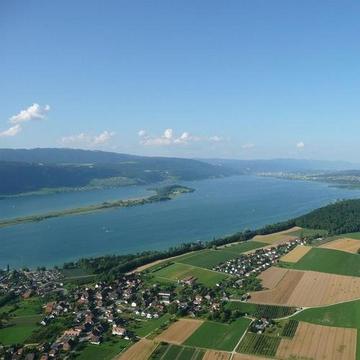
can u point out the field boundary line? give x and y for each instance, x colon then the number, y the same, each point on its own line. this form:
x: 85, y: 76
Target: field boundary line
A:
x: 238, y: 343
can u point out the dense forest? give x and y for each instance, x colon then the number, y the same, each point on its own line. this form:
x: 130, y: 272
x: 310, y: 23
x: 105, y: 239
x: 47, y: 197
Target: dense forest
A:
x: 338, y: 218
x: 32, y: 170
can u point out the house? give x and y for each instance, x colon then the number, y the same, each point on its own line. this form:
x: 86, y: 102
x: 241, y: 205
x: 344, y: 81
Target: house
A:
x: 118, y: 330
x: 164, y: 297
x: 95, y: 340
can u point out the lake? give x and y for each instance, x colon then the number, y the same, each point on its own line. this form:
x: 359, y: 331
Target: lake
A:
x: 217, y: 207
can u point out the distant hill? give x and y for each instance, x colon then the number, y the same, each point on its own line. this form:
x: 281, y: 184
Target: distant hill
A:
x: 282, y: 165
x: 31, y: 170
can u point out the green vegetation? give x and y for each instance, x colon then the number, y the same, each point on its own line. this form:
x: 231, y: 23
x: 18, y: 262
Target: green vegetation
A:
x: 330, y: 261
x: 171, y: 352
x: 177, y: 271
x: 143, y: 328
x: 105, y: 351
x: 257, y: 310
x: 162, y: 194
x: 306, y: 233
x: 259, y: 344
x: 19, y: 329
x: 211, y: 257
x: 289, y: 329
x: 218, y: 336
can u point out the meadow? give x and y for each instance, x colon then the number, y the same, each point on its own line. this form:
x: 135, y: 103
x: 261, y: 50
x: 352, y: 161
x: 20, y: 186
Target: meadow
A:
x: 143, y: 328
x: 105, y: 351
x: 330, y: 261
x: 218, y: 336
x: 177, y: 271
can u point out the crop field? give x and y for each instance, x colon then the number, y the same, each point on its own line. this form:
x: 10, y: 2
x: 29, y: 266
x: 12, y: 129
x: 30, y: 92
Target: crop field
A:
x: 343, y: 244
x: 259, y: 344
x: 258, y: 310
x: 243, y: 247
x: 206, y: 258
x: 296, y: 254
x: 330, y: 261
x: 216, y: 355
x: 289, y: 329
x: 249, y: 357
x: 309, y: 288
x: 176, y: 352
x: 177, y: 271
x: 139, y: 351
x: 308, y: 232
x: 218, y: 336
x: 272, y: 276
x: 279, y: 237
x: 179, y: 331
x: 319, y: 343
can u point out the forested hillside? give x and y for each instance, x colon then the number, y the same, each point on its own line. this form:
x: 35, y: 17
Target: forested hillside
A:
x: 31, y: 170
x: 337, y: 218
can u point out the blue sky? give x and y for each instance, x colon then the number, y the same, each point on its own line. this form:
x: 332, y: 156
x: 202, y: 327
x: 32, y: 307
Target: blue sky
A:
x: 236, y: 79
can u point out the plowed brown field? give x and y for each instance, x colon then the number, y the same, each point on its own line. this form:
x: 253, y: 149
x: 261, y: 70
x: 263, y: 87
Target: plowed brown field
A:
x: 319, y: 342
x: 272, y: 276
x: 343, y: 244
x: 179, y: 331
x: 309, y: 288
x: 139, y: 351
x: 216, y: 355
x: 296, y: 254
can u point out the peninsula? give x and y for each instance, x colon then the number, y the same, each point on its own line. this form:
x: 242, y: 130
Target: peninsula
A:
x: 161, y: 194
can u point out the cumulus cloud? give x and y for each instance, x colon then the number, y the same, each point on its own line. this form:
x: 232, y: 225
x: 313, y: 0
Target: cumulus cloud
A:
x: 11, y: 131
x: 33, y: 112
x: 168, y: 137
x: 87, y: 140
x: 300, y: 145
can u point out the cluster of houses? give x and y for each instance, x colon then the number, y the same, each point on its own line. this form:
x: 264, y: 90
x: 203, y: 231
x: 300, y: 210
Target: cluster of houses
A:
x: 256, y: 262
x: 26, y: 283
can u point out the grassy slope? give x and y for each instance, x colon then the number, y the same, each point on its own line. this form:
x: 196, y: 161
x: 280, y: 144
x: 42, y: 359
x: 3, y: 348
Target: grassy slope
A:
x: 179, y: 271
x: 330, y: 261
x: 146, y: 327
x: 218, y: 336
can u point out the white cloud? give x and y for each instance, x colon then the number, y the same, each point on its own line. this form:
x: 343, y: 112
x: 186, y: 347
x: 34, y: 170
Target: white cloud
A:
x: 168, y: 137
x: 87, y: 140
x: 300, y: 145
x: 12, y: 131
x: 33, y: 112
x: 248, y: 146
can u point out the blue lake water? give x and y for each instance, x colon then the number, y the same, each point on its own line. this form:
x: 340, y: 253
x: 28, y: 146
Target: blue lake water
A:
x: 217, y: 207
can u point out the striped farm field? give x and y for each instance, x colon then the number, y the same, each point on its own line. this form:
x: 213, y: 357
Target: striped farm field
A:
x: 216, y: 355
x: 319, y: 343
x: 296, y: 254
x: 179, y: 331
x: 176, y: 352
x: 258, y: 310
x: 259, y: 344
x: 272, y: 276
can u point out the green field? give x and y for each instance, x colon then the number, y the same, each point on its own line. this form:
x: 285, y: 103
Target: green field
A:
x: 179, y: 271
x: 105, y: 351
x: 210, y: 257
x: 19, y: 329
x: 308, y: 232
x: 171, y: 352
x: 259, y: 344
x: 330, y: 261
x: 218, y: 336
x: 144, y: 328
x: 269, y: 311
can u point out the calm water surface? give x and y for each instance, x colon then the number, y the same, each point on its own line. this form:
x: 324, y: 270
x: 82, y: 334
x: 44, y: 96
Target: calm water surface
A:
x: 217, y: 207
